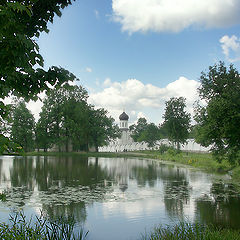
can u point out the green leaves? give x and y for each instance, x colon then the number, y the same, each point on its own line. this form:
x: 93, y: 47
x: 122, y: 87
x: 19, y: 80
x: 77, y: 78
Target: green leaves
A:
x: 68, y: 122
x: 22, y: 127
x: 218, y: 121
x: 177, y: 120
x: 21, y: 23
x: 143, y: 131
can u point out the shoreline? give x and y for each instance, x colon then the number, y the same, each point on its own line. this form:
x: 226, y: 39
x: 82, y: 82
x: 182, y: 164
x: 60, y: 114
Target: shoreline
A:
x: 202, y: 161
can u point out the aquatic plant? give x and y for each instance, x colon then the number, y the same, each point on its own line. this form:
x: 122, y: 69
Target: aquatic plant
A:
x: 43, y: 228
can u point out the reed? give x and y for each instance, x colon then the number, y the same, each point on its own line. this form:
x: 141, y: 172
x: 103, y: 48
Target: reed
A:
x: 42, y: 229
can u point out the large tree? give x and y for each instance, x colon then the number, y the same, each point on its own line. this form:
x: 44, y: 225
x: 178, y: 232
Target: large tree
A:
x: 22, y: 129
x: 68, y: 121
x: 218, y: 120
x: 102, y: 128
x: 63, y: 111
x: 177, y: 120
x: 21, y: 72
x: 21, y: 23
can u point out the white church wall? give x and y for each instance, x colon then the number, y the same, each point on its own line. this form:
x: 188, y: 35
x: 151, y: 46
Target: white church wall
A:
x: 126, y: 143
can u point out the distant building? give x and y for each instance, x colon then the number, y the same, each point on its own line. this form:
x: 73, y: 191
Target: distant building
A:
x: 126, y: 143
x: 123, y: 125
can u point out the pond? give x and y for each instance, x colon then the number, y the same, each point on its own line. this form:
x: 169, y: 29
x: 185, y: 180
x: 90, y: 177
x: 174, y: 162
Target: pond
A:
x: 116, y: 198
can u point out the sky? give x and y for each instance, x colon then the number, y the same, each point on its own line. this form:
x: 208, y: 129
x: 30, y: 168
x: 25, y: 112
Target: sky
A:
x: 134, y: 55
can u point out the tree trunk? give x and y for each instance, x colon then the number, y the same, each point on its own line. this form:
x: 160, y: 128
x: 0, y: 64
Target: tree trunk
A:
x: 178, y: 146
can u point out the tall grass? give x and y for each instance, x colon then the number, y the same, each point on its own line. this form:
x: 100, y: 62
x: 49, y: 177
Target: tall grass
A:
x: 43, y: 228
x: 188, y: 231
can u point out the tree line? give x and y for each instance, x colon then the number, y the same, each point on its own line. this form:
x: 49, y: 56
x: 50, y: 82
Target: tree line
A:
x: 216, y: 117
x: 67, y: 123
x: 22, y: 75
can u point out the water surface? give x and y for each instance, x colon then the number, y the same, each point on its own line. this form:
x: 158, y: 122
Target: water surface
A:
x: 116, y: 198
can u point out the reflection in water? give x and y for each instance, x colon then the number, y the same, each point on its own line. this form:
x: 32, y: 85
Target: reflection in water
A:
x: 107, y: 193
x: 221, y: 207
x: 177, y: 194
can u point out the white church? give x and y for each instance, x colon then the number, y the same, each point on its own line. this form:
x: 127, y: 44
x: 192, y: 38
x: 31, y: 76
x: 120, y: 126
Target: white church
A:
x: 126, y: 143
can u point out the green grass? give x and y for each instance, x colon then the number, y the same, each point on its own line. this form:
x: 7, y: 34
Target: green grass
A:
x: 188, y: 231
x: 204, y: 161
x: 43, y: 228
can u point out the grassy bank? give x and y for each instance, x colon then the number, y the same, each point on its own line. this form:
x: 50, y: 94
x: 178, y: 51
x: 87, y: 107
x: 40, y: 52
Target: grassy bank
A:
x: 203, y: 161
x: 188, y: 231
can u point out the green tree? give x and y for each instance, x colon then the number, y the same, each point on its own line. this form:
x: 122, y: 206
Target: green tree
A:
x: 137, y: 129
x: 21, y: 23
x: 145, y: 132
x: 177, y: 120
x: 218, y: 120
x: 150, y: 135
x: 103, y: 129
x: 21, y: 72
x: 22, y: 129
x: 42, y: 134
x: 61, y: 115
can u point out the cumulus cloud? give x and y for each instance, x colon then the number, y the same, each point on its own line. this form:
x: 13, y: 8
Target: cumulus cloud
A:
x: 231, y: 47
x: 88, y: 69
x: 138, y: 98
x: 174, y: 15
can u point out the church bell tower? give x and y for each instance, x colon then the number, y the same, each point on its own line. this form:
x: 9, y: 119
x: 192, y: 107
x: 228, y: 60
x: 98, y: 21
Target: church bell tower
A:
x: 123, y: 121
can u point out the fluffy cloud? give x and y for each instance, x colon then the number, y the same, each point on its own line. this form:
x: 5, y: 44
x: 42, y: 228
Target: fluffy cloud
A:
x: 231, y: 47
x: 174, y: 15
x: 142, y: 99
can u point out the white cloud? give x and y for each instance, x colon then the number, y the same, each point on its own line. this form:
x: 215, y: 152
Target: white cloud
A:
x: 88, y: 69
x: 139, y: 99
x: 231, y: 47
x: 174, y: 15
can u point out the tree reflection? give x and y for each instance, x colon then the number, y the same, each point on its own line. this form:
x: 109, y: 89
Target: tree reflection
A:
x: 63, y: 184
x: 221, y: 207
x: 176, y: 191
x: 145, y: 175
x: 75, y: 210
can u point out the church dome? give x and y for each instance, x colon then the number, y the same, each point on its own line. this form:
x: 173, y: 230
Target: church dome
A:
x: 123, y: 116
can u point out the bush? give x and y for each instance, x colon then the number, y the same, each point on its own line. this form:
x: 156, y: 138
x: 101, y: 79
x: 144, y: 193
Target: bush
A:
x: 173, y: 151
x: 163, y: 148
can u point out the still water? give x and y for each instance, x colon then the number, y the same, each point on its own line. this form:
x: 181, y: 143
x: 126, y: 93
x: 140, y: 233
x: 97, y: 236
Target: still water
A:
x: 116, y: 198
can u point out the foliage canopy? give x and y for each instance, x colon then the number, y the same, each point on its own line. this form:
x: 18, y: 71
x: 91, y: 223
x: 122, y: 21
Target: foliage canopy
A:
x: 176, y: 120
x: 218, y: 121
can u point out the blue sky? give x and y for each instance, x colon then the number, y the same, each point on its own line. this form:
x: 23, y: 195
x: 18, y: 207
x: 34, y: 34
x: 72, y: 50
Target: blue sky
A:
x: 136, y: 54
